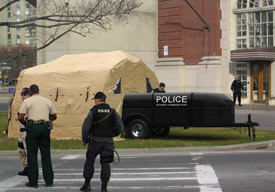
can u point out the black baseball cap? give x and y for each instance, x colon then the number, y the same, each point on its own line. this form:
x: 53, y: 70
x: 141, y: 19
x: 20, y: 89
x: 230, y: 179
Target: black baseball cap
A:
x: 99, y: 95
x: 25, y: 91
x: 161, y: 85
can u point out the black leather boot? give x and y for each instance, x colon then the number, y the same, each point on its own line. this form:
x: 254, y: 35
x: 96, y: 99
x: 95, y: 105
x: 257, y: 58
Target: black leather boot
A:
x: 24, y: 172
x: 85, y: 188
x: 104, y: 188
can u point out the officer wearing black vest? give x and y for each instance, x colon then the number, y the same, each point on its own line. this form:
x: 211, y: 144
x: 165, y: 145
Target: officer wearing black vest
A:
x: 237, y: 88
x: 100, y: 126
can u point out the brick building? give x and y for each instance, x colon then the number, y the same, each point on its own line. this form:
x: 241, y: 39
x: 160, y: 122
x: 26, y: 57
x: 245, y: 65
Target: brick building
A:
x: 204, y: 44
x: 194, y: 45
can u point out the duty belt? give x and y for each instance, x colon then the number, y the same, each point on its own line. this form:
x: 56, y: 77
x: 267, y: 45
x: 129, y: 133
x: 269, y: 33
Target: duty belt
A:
x: 23, y: 129
x: 38, y: 122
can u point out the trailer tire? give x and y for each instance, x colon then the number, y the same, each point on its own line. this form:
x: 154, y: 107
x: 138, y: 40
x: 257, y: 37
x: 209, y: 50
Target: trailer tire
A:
x: 164, y: 131
x: 138, y: 129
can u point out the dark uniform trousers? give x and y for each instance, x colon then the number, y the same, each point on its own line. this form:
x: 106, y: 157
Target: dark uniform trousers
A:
x: 235, y: 95
x: 38, y: 136
x: 105, y: 149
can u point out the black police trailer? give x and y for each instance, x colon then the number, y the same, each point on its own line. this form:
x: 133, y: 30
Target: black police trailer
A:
x: 153, y: 113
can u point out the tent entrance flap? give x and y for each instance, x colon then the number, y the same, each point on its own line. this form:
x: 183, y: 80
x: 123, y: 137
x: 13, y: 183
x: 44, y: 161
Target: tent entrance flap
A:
x: 117, y: 89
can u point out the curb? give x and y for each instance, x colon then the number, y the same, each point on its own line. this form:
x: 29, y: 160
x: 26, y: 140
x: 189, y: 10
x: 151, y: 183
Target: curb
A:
x: 270, y: 145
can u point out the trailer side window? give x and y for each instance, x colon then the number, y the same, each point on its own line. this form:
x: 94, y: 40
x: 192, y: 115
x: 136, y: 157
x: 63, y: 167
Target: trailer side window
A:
x: 117, y: 89
x: 148, y: 86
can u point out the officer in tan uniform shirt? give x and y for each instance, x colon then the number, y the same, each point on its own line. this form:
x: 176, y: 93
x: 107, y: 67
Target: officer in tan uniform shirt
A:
x: 22, y: 148
x: 39, y: 111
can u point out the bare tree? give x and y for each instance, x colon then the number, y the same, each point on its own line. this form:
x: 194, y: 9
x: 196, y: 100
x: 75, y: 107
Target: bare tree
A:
x: 9, y: 52
x: 56, y: 18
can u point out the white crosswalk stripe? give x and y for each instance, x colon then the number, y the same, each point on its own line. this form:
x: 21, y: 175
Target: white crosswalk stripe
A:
x: 71, y: 157
x: 190, y: 177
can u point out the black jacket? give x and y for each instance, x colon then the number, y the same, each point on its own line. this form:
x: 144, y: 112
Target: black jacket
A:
x: 237, y: 86
x: 88, y: 124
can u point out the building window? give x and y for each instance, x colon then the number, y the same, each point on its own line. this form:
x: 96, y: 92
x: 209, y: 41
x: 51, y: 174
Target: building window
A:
x: 242, y: 72
x: 9, y: 14
x: 30, y: 42
x: 27, y: 5
x: 33, y: 41
x: 9, y: 36
x: 30, y: 28
x: 33, y: 12
x: 243, y: 4
x: 27, y: 34
x: 255, y: 28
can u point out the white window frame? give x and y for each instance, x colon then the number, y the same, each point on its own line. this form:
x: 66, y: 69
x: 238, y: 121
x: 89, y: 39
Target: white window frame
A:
x: 261, y: 7
x: 27, y: 34
x: 27, y: 42
x: 242, y: 70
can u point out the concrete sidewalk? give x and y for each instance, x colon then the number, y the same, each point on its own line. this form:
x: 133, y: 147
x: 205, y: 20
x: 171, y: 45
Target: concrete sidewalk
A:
x: 256, y: 106
x: 266, y: 145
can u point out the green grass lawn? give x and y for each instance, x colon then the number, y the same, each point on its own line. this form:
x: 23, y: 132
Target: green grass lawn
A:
x: 178, y: 137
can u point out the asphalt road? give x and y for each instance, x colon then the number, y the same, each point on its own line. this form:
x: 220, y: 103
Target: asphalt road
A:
x: 251, y: 171
x: 264, y: 118
x: 4, y: 101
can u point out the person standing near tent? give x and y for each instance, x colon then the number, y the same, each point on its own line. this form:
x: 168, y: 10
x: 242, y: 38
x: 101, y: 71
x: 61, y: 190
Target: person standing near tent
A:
x: 160, y: 89
x: 237, y: 88
x: 22, y: 148
x: 100, y: 126
x: 39, y: 111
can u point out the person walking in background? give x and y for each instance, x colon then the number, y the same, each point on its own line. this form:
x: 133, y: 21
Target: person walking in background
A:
x: 237, y: 88
x: 100, y: 126
x: 39, y: 111
x: 160, y: 89
x: 22, y: 147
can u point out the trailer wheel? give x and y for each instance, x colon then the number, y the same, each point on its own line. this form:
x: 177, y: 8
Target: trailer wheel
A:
x: 138, y: 129
x: 161, y: 131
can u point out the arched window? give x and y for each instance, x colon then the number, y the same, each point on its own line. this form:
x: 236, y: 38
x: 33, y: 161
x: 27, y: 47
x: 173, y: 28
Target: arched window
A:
x: 243, y: 4
x: 255, y: 24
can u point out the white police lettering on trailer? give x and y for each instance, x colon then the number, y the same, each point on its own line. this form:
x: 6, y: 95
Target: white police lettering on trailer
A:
x: 175, y: 100
x: 103, y: 110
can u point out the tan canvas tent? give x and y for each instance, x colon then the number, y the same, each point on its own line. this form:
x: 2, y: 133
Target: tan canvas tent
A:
x: 71, y: 81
